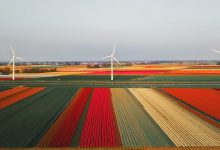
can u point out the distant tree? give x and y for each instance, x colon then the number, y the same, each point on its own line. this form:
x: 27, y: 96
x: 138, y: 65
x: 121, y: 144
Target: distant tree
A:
x: 218, y: 63
x: 76, y: 63
x: 93, y: 66
x: 39, y: 70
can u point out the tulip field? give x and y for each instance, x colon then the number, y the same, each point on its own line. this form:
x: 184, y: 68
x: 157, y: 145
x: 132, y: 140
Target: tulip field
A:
x: 17, y: 95
x: 183, y: 128
x: 103, y: 117
x: 137, y: 128
x: 60, y: 134
x: 100, y: 127
x: 204, y: 100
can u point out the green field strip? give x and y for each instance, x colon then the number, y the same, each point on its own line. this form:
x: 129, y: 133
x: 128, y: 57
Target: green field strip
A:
x: 3, y: 88
x: 152, y: 78
x: 77, y: 134
x: 21, y: 127
x: 114, y: 84
x: 90, y: 77
x: 187, y: 78
x: 40, y: 134
x: 136, y: 127
x: 120, y: 81
x: 15, y: 108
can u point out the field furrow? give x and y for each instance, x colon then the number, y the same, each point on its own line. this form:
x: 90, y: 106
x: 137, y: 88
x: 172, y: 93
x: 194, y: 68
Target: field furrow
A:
x: 183, y: 128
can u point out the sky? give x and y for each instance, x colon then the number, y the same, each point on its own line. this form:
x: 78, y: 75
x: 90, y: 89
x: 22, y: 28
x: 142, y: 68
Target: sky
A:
x: 73, y: 30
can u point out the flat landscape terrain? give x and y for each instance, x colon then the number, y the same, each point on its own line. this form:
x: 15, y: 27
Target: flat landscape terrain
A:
x: 165, y: 75
x: 146, y: 106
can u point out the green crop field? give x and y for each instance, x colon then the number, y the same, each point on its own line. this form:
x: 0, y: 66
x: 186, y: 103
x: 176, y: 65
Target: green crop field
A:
x: 183, y: 78
x: 91, y: 77
x: 24, y: 123
x: 3, y: 88
x: 154, y: 78
x: 119, y: 81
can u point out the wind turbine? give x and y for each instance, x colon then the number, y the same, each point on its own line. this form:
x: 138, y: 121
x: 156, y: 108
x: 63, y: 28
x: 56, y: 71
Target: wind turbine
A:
x: 13, y: 62
x: 112, y: 61
x: 214, y: 50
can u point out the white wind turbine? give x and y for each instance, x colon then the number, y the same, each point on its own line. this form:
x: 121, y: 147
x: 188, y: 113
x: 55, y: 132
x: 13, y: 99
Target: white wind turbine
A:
x: 13, y: 62
x: 112, y: 61
x: 214, y: 50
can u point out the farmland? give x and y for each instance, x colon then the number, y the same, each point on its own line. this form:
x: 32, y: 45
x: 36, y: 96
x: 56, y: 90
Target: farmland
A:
x: 7, y: 100
x: 102, y: 117
x: 23, y: 123
x: 109, y: 75
x: 206, y: 76
x: 207, y: 101
x: 136, y: 127
x: 100, y: 129
x: 196, y: 132
x: 120, y: 81
x: 160, y: 106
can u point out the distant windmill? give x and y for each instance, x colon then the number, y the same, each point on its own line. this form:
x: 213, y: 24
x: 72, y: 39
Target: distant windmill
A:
x: 13, y: 63
x: 214, y: 50
x: 112, y: 61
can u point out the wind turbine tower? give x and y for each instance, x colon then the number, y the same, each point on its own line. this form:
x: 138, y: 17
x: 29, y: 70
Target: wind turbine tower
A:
x: 112, y: 61
x: 13, y: 62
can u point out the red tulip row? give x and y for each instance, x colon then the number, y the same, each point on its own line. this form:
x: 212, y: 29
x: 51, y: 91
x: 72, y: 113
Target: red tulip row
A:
x: 4, y: 102
x: 62, y: 131
x: 100, y: 127
x: 12, y: 91
x: 205, y: 100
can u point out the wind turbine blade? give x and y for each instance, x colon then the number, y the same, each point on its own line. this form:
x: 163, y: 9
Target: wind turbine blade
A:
x: 113, y: 52
x: 20, y: 58
x: 13, y: 52
x: 10, y: 61
x: 116, y: 60
x: 215, y: 51
x: 106, y: 57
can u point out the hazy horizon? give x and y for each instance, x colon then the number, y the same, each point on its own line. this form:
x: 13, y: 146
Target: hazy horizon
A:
x: 70, y: 30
